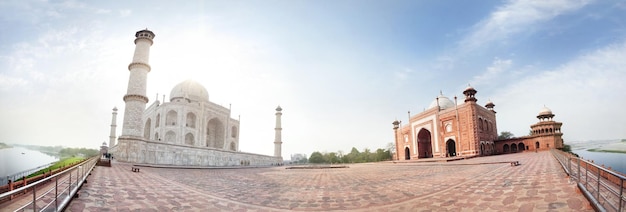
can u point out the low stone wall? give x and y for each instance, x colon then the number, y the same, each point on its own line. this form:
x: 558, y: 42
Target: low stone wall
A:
x: 134, y: 150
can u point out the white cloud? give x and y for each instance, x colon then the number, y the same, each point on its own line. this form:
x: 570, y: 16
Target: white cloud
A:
x: 125, y: 13
x: 517, y: 17
x: 493, y: 72
x: 583, y: 93
x: 8, y: 83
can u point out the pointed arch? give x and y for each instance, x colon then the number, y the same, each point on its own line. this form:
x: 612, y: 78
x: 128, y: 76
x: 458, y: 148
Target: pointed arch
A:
x: 146, y: 129
x: 215, y: 134
x: 233, y: 132
x: 171, y: 118
x: 424, y: 144
x: 170, y: 137
x: 407, y: 153
x: 189, y: 139
x: 233, y: 147
x: 191, y: 120
x: 451, y: 147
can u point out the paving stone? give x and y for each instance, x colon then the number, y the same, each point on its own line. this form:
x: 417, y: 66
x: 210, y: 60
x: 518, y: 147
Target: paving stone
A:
x: 478, y: 184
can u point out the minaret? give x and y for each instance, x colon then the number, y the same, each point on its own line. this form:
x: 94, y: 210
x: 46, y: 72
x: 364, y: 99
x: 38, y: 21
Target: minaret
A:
x: 113, y: 126
x: 135, y: 98
x: 277, y: 137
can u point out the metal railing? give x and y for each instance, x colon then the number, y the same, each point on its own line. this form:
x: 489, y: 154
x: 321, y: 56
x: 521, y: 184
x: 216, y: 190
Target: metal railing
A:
x: 604, y: 188
x: 66, y: 185
x: 16, y: 176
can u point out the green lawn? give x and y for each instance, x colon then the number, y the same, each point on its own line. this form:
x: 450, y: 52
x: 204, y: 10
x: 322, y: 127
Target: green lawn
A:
x: 58, y: 164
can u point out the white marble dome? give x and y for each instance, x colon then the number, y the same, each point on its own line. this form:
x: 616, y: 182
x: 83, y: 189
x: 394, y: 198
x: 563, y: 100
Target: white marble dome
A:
x: 191, y: 90
x: 444, y: 103
x: 545, y: 111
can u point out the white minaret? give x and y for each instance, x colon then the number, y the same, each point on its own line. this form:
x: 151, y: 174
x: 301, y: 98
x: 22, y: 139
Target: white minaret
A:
x: 277, y: 137
x: 135, y: 98
x: 113, y: 126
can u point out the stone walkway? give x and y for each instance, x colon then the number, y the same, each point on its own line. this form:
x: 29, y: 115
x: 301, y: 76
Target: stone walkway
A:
x: 477, y: 184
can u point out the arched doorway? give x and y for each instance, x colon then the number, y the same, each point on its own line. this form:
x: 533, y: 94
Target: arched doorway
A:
x: 451, y: 146
x: 482, y: 149
x: 537, y: 145
x: 521, y: 147
x: 407, y: 153
x: 424, y: 146
x: 505, y: 148
x: 513, y: 148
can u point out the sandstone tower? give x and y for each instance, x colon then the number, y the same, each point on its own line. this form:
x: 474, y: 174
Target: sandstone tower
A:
x: 277, y: 137
x: 135, y: 98
x: 113, y: 126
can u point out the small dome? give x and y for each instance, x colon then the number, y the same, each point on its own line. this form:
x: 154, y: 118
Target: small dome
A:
x: 545, y: 111
x: 489, y: 104
x: 444, y: 103
x: 191, y: 90
x: 279, y: 108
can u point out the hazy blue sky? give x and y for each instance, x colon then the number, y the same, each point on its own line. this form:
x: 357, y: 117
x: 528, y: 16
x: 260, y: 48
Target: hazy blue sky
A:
x: 341, y: 70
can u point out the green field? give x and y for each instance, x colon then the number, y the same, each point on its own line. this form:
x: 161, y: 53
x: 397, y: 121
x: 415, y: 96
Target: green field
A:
x: 59, y: 164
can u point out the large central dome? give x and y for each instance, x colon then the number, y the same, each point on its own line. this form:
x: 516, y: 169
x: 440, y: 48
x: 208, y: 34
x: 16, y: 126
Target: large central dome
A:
x: 191, y: 90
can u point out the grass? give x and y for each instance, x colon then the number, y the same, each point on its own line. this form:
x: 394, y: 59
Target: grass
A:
x: 59, y: 164
x: 607, y: 150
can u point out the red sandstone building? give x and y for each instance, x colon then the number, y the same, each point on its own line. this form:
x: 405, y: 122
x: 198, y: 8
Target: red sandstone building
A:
x: 449, y: 129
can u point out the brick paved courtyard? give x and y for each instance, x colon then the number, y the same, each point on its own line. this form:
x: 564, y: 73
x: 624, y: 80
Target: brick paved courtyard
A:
x: 478, y: 184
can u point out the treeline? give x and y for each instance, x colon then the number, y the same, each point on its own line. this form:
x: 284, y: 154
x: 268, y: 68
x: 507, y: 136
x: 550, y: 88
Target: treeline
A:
x: 73, y: 152
x: 63, y: 152
x: 3, y: 145
x: 353, y: 157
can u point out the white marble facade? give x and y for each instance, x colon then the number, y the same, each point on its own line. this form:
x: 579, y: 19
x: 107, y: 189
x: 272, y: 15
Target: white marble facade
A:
x: 189, y: 130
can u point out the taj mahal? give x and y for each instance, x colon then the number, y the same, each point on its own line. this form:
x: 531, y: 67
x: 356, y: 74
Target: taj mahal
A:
x: 189, y: 130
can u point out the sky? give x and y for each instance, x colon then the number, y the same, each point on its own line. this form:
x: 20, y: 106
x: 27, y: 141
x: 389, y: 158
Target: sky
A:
x: 342, y: 71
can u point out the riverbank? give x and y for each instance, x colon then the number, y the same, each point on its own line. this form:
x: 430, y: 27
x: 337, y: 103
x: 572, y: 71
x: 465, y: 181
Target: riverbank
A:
x: 608, y: 150
x: 4, y: 146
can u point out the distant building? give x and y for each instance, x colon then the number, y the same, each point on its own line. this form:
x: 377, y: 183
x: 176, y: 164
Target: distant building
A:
x: 449, y: 129
x: 545, y: 134
x: 297, y: 157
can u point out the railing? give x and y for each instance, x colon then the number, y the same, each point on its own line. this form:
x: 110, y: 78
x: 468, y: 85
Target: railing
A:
x: 66, y: 184
x: 14, y: 177
x: 604, y: 188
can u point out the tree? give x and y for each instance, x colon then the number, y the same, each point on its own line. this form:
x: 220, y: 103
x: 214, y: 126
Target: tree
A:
x: 505, y: 135
x: 316, y: 157
x: 391, y: 147
x: 382, y: 154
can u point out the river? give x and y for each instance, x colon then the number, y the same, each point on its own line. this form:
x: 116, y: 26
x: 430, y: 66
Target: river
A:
x: 17, y: 159
x: 617, y: 161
